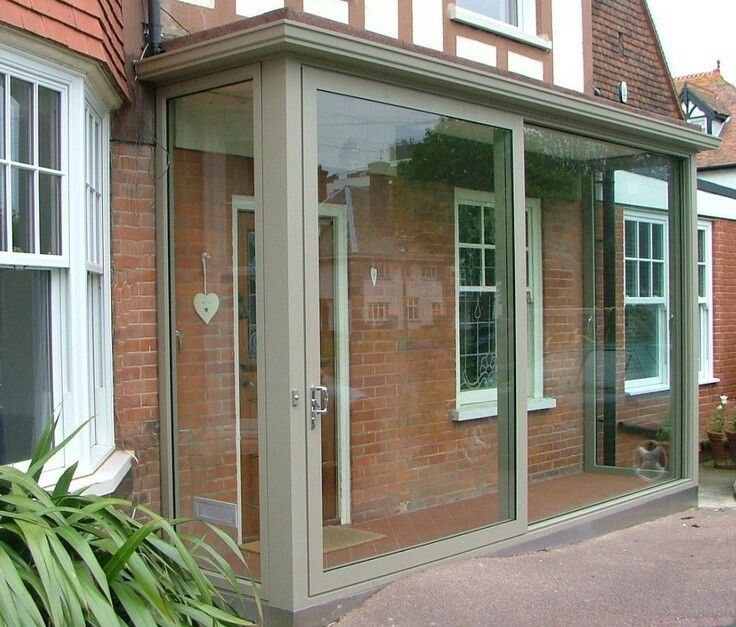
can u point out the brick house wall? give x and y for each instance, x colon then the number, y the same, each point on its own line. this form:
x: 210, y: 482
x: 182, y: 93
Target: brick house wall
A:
x: 724, y: 324
x: 135, y: 345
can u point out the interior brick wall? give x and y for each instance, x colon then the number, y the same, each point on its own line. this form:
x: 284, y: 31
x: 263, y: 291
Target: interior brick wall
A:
x: 406, y: 452
x: 206, y: 445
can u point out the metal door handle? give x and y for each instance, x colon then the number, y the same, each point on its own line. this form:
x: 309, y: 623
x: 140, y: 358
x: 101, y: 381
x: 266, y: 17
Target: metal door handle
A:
x: 319, y: 400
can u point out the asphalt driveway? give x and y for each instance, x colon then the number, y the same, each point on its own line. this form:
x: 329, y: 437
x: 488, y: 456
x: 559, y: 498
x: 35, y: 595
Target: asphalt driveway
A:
x: 679, y: 570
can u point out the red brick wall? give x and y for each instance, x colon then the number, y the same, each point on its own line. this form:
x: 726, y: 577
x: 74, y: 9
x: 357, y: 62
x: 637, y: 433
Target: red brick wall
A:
x: 134, y: 315
x: 555, y: 437
x: 89, y: 27
x: 724, y: 324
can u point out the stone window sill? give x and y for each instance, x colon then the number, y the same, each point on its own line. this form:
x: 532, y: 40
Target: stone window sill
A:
x: 105, y: 479
x: 476, y: 411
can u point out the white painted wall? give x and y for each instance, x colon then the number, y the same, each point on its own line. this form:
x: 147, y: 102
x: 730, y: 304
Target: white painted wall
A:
x: 714, y: 206
x: 337, y: 10
x: 727, y: 178
x: 249, y: 8
x: 475, y: 50
x: 567, y: 36
x: 382, y: 16
x: 427, y: 23
x: 638, y: 190
x: 525, y: 65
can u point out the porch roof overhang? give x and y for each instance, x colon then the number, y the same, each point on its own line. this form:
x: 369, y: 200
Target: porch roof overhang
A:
x: 333, y: 46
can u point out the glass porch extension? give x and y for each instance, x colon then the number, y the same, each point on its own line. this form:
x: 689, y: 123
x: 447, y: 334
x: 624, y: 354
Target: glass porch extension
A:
x: 486, y: 317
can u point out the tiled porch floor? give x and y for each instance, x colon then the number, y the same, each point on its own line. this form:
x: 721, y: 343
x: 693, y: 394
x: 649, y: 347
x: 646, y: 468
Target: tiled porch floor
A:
x: 547, y: 498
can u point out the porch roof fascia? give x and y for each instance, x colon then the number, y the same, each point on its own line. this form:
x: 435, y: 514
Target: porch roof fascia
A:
x: 537, y: 102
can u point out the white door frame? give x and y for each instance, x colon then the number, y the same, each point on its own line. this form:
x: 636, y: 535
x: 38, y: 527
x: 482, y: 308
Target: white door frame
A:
x: 338, y: 213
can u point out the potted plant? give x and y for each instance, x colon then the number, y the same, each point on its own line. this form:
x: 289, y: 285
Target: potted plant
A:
x: 715, y: 434
x: 731, y: 438
x: 662, y: 437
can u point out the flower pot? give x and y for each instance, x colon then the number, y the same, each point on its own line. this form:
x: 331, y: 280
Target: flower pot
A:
x: 731, y: 439
x: 718, y: 447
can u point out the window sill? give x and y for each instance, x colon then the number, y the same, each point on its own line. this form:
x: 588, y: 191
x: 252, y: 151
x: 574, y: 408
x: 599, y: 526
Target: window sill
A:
x: 475, y: 411
x: 483, y: 22
x: 106, y: 478
x: 708, y: 380
x: 648, y: 389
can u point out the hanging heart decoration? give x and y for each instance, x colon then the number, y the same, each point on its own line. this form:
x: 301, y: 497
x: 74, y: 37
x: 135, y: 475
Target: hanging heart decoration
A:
x: 206, y: 305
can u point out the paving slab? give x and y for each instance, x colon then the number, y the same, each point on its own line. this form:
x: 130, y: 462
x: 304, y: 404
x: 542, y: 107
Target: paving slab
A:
x: 678, y: 570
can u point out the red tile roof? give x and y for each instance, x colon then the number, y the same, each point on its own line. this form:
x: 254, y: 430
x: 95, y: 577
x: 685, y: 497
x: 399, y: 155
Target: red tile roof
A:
x: 626, y: 48
x: 721, y: 96
x: 90, y: 27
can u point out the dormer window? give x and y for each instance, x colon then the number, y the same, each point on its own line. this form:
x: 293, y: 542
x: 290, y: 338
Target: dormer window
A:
x: 702, y: 122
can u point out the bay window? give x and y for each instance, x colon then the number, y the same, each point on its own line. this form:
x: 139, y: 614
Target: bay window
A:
x: 55, y: 335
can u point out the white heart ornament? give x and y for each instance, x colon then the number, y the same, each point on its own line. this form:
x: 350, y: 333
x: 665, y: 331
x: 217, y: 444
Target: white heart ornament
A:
x: 206, y: 305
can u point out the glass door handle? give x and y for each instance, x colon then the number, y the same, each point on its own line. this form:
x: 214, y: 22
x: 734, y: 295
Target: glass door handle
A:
x: 319, y: 400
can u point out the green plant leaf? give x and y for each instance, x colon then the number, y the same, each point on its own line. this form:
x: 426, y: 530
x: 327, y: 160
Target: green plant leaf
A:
x: 83, y: 550
x: 62, y: 485
x: 220, y: 615
x: 15, y: 587
x: 121, y: 556
x: 39, y: 548
x: 45, y: 450
x: 135, y: 607
x: 100, y: 607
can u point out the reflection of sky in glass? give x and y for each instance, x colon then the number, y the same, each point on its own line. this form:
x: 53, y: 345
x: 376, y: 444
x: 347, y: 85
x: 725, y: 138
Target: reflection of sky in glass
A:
x: 353, y: 132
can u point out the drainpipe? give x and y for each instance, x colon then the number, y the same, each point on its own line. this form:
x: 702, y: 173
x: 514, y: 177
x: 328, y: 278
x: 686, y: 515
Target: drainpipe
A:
x: 154, y: 26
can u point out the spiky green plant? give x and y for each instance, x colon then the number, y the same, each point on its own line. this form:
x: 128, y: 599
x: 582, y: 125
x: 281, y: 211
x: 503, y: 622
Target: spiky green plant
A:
x: 70, y: 559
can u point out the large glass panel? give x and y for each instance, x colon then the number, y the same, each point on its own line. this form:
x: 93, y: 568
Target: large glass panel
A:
x: 216, y: 422
x: 25, y: 361
x: 605, y: 414
x: 414, y: 267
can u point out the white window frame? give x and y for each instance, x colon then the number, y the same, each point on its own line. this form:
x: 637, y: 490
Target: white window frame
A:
x: 525, y: 31
x: 483, y: 403
x: 69, y: 271
x: 660, y: 382
x: 705, y: 305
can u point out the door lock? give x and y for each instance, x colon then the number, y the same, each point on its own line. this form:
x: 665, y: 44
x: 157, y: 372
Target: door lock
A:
x: 319, y: 400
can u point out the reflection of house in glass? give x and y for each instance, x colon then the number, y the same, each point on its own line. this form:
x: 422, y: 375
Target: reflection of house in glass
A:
x: 393, y: 281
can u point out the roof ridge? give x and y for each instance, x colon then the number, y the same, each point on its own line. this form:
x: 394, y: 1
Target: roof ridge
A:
x: 716, y: 72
